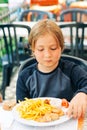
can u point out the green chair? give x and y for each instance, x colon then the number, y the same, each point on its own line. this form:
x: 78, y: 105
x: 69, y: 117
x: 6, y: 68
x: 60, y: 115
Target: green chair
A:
x: 13, y: 51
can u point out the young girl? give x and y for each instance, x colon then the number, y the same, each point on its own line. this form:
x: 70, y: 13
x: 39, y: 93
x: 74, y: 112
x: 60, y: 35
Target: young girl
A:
x: 52, y: 76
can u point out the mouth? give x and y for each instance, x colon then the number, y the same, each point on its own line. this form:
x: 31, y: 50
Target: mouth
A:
x: 48, y: 60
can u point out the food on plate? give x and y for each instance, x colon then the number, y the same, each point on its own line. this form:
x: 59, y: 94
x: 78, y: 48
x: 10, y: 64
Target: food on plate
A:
x: 8, y: 104
x: 39, y: 110
x: 65, y: 103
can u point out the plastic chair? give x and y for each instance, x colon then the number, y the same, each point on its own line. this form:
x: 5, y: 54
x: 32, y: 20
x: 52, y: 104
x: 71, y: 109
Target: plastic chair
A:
x: 79, y: 61
x: 35, y: 15
x: 76, y: 60
x: 13, y: 50
x: 73, y: 14
x: 74, y: 36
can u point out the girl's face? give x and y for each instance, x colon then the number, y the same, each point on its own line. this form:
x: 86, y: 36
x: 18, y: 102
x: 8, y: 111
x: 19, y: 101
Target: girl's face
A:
x: 47, y: 52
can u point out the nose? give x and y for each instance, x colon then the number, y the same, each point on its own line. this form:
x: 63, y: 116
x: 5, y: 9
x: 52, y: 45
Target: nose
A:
x: 47, y: 53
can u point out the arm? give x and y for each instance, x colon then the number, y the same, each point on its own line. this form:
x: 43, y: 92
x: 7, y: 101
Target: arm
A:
x: 21, y: 89
x: 78, y: 104
x: 78, y: 79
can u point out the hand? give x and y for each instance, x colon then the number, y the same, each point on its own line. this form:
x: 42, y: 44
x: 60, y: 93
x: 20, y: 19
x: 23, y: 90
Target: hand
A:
x: 78, y: 105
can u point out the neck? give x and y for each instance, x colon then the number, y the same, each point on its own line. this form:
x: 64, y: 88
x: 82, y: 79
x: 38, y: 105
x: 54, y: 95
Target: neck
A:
x: 46, y: 69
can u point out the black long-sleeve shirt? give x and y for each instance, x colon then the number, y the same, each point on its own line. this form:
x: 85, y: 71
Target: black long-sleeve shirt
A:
x: 63, y: 82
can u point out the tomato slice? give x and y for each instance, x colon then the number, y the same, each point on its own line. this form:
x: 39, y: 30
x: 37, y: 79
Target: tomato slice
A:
x: 65, y: 103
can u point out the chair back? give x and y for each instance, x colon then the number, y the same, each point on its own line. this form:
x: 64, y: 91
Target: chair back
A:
x: 13, y: 50
x: 73, y: 14
x: 78, y: 61
x: 27, y: 63
x: 11, y: 42
x: 35, y: 15
x: 74, y: 36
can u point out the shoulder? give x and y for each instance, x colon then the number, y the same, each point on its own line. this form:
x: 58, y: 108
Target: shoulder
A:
x: 28, y: 71
x: 69, y: 67
x: 66, y: 64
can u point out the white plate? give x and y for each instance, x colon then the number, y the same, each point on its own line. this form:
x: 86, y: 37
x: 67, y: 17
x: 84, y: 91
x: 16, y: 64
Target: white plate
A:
x: 53, y: 101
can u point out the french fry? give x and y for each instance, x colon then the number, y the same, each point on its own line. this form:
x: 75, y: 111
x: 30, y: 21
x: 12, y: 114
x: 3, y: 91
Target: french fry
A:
x: 31, y: 109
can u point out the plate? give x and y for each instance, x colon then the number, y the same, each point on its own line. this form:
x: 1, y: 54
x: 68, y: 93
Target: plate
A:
x: 55, y: 102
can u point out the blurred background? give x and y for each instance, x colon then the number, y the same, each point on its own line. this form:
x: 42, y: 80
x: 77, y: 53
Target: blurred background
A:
x: 10, y: 10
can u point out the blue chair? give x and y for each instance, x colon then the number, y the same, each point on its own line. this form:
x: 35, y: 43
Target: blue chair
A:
x: 35, y: 15
x: 73, y: 14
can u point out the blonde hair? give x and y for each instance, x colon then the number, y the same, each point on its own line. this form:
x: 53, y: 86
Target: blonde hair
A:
x: 46, y: 26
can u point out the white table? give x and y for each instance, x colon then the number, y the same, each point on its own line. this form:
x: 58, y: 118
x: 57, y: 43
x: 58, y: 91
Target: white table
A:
x: 8, y: 123
x: 64, y: 126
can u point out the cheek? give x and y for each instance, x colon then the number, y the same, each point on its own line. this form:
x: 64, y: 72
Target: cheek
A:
x: 38, y: 54
x: 56, y: 57
x: 57, y: 53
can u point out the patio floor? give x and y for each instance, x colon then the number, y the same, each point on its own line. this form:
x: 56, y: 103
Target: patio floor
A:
x: 11, y: 89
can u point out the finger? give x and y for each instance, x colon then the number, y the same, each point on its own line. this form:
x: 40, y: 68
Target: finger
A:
x: 75, y: 112
x: 70, y: 110
x: 80, y: 112
x: 83, y: 110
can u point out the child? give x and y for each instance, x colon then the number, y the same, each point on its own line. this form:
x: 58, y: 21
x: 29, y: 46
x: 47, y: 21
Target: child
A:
x: 52, y: 76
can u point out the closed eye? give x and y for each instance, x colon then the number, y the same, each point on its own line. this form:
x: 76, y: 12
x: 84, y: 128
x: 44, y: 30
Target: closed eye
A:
x: 53, y: 48
x: 40, y: 49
